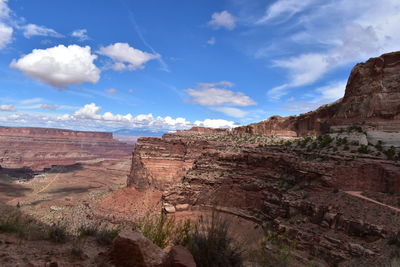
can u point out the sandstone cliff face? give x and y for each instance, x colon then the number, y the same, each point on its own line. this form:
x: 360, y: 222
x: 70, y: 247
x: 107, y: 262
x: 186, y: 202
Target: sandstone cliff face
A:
x: 372, y: 100
x: 39, y: 148
x: 308, y: 196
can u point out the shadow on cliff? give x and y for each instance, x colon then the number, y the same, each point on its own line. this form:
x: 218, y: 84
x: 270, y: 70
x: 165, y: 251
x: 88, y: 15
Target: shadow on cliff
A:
x: 64, y: 168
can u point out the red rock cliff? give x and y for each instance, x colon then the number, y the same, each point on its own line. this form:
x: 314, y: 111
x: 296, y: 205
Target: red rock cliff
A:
x: 39, y: 148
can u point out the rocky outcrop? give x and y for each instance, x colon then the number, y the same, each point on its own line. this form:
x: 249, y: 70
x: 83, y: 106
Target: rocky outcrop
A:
x: 133, y: 249
x: 39, y: 148
x: 371, y: 100
x: 305, y: 194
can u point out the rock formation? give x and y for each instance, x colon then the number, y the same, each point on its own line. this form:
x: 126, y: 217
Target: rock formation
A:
x: 371, y: 100
x: 39, y: 148
x: 309, y: 193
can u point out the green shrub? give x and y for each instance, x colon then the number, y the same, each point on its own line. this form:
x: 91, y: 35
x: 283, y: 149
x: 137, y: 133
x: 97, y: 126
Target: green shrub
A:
x: 363, y: 149
x: 212, y: 245
x: 159, y: 229
x: 390, y: 153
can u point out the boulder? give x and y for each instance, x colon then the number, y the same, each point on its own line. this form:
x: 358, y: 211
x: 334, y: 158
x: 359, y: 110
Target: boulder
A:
x: 181, y: 257
x: 132, y: 249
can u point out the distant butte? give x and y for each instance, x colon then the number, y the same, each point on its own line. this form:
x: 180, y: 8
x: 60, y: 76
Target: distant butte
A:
x: 39, y: 148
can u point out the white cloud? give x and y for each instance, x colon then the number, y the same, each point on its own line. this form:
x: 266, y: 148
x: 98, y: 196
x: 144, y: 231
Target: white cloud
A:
x: 112, y: 91
x: 366, y: 29
x: 126, y: 57
x: 232, y: 112
x: 214, y: 94
x: 331, y: 92
x: 81, y: 34
x: 31, y: 101
x: 211, y: 41
x: 285, y: 9
x: 5, y: 35
x: 209, y: 123
x: 89, y: 117
x: 322, y: 95
x: 49, y: 107
x: 8, y: 108
x: 60, y: 66
x: 223, y: 19
x: 30, y: 30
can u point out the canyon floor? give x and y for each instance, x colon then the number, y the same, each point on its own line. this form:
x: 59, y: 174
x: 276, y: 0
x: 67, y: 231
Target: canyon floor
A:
x: 82, y: 194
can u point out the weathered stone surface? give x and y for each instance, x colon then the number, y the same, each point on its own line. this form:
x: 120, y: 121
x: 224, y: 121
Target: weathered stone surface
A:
x: 181, y: 257
x: 132, y: 249
x: 40, y: 148
x: 304, y: 195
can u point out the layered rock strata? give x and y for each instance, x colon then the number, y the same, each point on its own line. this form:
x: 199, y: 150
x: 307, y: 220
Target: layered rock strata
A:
x: 39, y: 148
x: 307, y: 195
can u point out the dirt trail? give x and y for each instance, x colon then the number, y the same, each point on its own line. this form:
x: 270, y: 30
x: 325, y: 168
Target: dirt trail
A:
x: 359, y: 195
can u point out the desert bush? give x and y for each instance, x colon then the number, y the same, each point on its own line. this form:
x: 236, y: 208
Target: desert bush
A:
x: 211, y: 243
x: 390, y: 153
x: 363, y: 149
x: 379, y: 146
x: 274, y: 250
x: 160, y: 229
x: 14, y: 224
x: 57, y: 233
x: 104, y: 237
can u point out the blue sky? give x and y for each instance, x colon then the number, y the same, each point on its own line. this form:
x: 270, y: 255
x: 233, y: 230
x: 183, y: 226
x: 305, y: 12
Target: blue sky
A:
x: 166, y: 65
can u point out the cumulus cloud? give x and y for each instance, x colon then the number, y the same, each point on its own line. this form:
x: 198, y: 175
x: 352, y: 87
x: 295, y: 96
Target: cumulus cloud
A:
x: 232, y: 112
x: 30, y: 30
x: 6, y: 33
x: 222, y: 19
x: 81, y: 34
x: 214, y: 94
x: 126, y: 57
x: 8, y: 108
x: 89, y: 117
x: 60, y: 66
x: 112, y: 91
x: 372, y: 22
x: 49, y: 107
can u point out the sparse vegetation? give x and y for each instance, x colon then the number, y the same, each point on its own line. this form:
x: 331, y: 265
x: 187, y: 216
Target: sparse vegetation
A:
x: 211, y: 244
x: 58, y: 233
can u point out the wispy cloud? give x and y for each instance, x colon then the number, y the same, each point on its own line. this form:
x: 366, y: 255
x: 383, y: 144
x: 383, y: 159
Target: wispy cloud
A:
x: 163, y: 64
x: 31, y: 30
x: 365, y: 29
x: 80, y: 34
x: 7, y: 108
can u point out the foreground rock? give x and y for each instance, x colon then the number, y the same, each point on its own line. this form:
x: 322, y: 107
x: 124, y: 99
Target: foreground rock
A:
x: 40, y: 148
x: 132, y: 249
x: 181, y: 257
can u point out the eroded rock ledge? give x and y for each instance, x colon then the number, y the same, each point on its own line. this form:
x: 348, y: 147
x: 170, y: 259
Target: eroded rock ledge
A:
x: 310, y: 196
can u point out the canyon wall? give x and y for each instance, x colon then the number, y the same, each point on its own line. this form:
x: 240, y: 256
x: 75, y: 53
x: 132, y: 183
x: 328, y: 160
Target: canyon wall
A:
x: 371, y: 100
x: 308, y: 194
x: 40, y: 148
